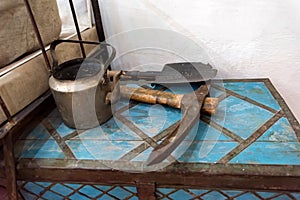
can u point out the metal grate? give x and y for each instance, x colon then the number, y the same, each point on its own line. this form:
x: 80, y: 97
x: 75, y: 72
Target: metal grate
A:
x: 46, y: 190
x: 177, y: 193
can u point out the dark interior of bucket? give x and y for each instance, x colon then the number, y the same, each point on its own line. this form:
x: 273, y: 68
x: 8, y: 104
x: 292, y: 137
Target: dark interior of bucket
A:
x: 77, y: 69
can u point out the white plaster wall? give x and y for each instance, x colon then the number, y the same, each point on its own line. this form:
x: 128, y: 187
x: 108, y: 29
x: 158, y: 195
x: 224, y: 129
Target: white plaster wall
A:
x: 242, y: 38
x: 82, y: 13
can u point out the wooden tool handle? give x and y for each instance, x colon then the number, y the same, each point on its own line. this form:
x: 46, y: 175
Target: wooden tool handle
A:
x: 166, y: 98
x: 210, y: 105
x: 151, y: 96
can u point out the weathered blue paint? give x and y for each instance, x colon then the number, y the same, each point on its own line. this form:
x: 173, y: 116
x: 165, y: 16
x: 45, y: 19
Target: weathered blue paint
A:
x: 242, y: 117
x: 38, y: 149
x: 208, y: 133
x: 278, y: 153
x: 256, y: 91
x: 90, y: 191
x: 247, y: 196
x: 142, y: 157
x: 100, y: 149
x: 266, y: 194
x: 112, y: 130
x: 181, y: 194
x: 281, y: 131
x: 61, y: 189
x: 205, y: 151
x: 278, y: 145
x: 152, y: 119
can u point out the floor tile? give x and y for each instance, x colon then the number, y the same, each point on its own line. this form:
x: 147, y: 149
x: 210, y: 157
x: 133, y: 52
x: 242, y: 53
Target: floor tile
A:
x: 61, y: 189
x: 276, y: 153
x: 243, y: 118
x: 119, y: 193
x: 181, y: 194
x: 281, y: 131
x: 111, y: 130
x: 254, y: 90
x: 266, y: 194
x: 247, y: 196
x: 213, y: 195
x: 204, y: 151
x: 62, y: 129
x: 208, y: 133
x: 38, y: 149
x: 152, y: 119
x: 90, y: 191
x: 101, y: 150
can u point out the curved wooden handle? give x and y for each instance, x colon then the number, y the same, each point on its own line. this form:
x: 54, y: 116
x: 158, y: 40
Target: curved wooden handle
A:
x: 209, y: 106
x: 151, y: 96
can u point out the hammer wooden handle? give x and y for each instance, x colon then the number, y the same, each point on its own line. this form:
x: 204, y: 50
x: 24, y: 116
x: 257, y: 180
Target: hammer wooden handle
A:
x: 210, y: 105
x: 152, y: 96
x: 166, y: 98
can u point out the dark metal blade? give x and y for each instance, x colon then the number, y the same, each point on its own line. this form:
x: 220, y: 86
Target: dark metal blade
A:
x: 175, y: 73
x: 185, y: 72
x: 191, y: 105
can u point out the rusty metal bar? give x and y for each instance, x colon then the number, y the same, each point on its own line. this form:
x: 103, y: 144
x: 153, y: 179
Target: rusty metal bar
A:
x: 10, y: 168
x: 38, y: 35
x: 77, y: 27
x: 98, y: 20
x: 99, y: 26
x: 26, y: 115
x: 6, y: 111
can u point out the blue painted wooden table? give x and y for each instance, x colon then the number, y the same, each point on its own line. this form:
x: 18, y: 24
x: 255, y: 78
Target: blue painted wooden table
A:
x: 249, y: 150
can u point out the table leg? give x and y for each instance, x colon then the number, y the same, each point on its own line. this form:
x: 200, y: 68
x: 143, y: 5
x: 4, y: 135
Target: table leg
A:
x: 146, y: 191
x: 10, y: 168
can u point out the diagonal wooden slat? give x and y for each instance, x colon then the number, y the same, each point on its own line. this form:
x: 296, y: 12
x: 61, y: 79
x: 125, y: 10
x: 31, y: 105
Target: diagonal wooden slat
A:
x: 223, y: 130
x: 246, y: 143
x: 59, y: 140
x: 287, y: 112
x: 229, y: 92
x: 150, y: 141
x: 138, y: 150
